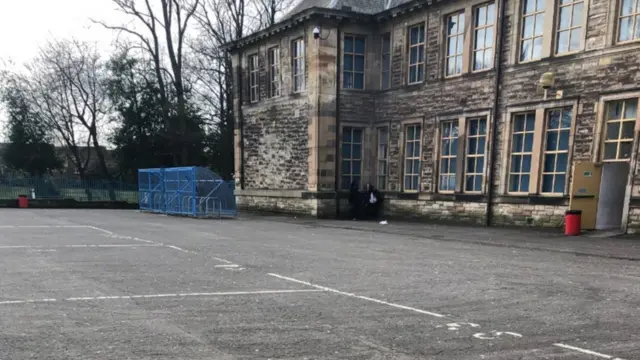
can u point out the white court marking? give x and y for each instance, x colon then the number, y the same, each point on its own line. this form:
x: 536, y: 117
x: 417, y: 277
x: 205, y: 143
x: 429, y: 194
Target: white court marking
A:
x: 323, y: 288
x: 39, y: 247
x: 585, y: 351
x: 160, y: 296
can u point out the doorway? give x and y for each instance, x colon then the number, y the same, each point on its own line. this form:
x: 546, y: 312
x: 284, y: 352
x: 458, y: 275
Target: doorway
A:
x: 613, y: 186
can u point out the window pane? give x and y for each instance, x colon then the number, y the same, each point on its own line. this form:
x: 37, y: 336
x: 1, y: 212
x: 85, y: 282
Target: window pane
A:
x: 531, y: 121
x: 627, y: 129
x: 481, y: 145
x: 360, y: 45
x: 577, y: 14
x: 348, y: 80
x: 514, y: 183
x: 348, y: 44
x: 357, y: 151
x: 359, y: 64
x: 453, y: 165
x: 537, y: 48
x: 565, y: 17
x: 625, y: 150
x: 416, y: 166
x: 631, y: 108
x: 553, y: 120
x: 566, y: 119
x: 414, y: 183
x: 549, y: 163
x: 561, y: 165
x: 478, y: 183
x: 469, y: 183
x: 346, y: 134
x: 627, y: 7
x: 410, y: 132
x: 407, y: 183
x: 483, y: 126
x: 626, y: 29
x: 481, y: 15
x: 414, y: 32
x: 528, y: 142
x: 454, y: 145
x: 552, y: 140
x: 451, y: 66
x: 547, y: 183
x: 528, y: 26
x: 576, y: 37
x: 559, y: 184
x: 529, y: 6
x: 524, y: 183
x: 489, y: 37
x: 471, y: 165
x: 517, y: 143
x: 615, y: 110
x: 480, y: 165
x: 563, y: 42
x: 458, y: 64
x: 348, y: 63
x: 525, y: 51
x: 564, y: 140
x: 613, y: 130
x: 516, y: 163
x: 444, y: 166
x: 346, y: 167
x: 357, y: 136
x: 473, y: 144
x: 355, y: 167
x: 358, y: 82
x: 539, y: 24
x: 491, y: 13
x: 540, y: 5
x: 526, y: 163
x: 420, y: 73
x: 610, y: 151
x: 386, y: 43
x: 413, y: 74
x: 480, y: 34
x: 473, y: 128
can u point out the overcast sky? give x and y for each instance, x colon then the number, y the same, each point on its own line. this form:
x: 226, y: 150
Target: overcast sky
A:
x: 27, y: 24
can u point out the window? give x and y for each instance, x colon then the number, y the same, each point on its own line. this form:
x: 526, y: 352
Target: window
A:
x: 385, y: 75
x: 298, y: 65
x: 383, y: 155
x: 629, y: 20
x: 253, y: 78
x: 475, y: 156
x: 619, y: 128
x: 521, y: 152
x: 532, y: 30
x: 455, y: 43
x: 351, y: 157
x: 274, y: 72
x: 570, y: 19
x: 483, y: 35
x: 448, y: 153
x: 556, y: 151
x: 354, y: 47
x: 412, y: 158
x: 416, y: 54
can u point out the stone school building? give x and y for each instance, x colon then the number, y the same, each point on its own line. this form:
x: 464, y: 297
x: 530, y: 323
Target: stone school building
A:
x: 475, y: 111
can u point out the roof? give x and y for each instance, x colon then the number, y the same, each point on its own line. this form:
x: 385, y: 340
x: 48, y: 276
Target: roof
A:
x: 361, y: 6
x: 359, y: 10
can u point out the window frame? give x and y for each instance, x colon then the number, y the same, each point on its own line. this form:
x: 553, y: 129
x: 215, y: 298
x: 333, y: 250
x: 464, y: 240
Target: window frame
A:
x: 273, y: 55
x: 461, y: 34
x: 467, y: 155
x: 298, y: 73
x: 449, y: 157
x: 487, y: 25
x: 521, y: 153
x: 521, y: 29
x: 544, y: 152
x: 405, y: 143
x: 418, y: 64
x: 556, y: 28
x: 254, y: 78
x: 619, y: 140
x: 384, y: 158
x: 353, y: 54
x: 618, y: 18
x: 382, y: 55
x: 351, y: 159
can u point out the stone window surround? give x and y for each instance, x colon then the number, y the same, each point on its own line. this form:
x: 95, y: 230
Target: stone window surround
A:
x: 598, y: 137
x: 467, y: 52
x: 401, y: 143
x: 450, y: 36
x: 303, y: 86
x: 613, y: 24
x: 535, y: 180
x: 550, y: 30
x: 462, y: 145
x: 366, y: 155
x: 484, y: 27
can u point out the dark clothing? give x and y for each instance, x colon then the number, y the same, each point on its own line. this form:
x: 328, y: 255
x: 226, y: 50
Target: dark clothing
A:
x: 372, y: 203
x: 355, y: 200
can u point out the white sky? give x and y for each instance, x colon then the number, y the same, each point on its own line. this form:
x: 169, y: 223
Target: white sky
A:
x: 27, y: 24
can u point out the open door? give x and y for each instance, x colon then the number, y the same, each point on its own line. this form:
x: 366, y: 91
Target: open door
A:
x: 585, y: 190
x: 612, y: 195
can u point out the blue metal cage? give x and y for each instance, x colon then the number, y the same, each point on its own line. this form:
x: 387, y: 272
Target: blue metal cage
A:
x: 190, y: 191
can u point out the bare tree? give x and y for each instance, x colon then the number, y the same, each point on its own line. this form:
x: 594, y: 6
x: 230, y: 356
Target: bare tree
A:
x: 269, y: 11
x: 163, y: 36
x: 65, y: 85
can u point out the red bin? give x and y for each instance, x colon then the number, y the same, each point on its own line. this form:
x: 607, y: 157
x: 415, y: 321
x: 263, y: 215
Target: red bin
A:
x: 572, y: 222
x: 23, y: 201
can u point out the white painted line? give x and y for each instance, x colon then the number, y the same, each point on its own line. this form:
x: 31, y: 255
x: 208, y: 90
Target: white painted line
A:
x: 177, y: 248
x: 358, y: 296
x: 27, y: 301
x: 99, y: 229
x: 513, y: 334
x: 40, y: 247
x: 585, y: 351
x: 227, y: 266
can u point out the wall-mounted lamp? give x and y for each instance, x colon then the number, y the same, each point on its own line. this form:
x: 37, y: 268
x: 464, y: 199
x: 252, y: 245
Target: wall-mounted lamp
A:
x: 317, y: 31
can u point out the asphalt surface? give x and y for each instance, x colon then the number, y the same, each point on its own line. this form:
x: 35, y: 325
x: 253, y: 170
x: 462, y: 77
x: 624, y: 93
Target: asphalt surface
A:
x: 78, y: 284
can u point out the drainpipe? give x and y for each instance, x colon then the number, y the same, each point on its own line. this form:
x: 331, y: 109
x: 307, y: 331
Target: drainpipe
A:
x: 240, y: 91
x: 337, y: 157
x: 496, y: 113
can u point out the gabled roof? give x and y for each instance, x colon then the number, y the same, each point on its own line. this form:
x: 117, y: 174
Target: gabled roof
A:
x: 361, y: 6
